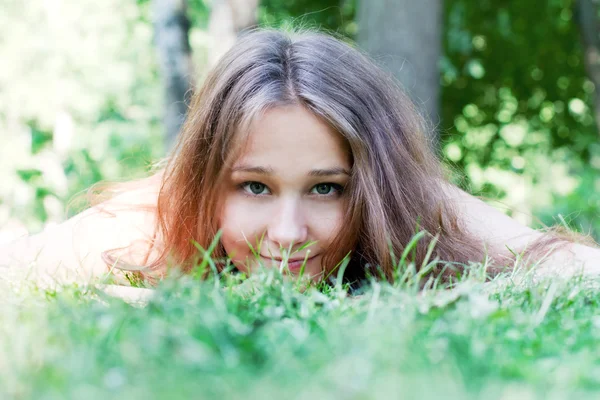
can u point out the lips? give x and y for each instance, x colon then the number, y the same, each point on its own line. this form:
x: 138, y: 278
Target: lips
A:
x: 290, y: 260
x: 293, y: 265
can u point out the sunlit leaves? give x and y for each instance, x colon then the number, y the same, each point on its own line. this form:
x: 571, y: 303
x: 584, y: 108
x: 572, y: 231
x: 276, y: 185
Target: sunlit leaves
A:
x: 517, y: 98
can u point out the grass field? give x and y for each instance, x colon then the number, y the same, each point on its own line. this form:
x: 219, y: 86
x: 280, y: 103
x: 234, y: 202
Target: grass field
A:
x: 229, y: 338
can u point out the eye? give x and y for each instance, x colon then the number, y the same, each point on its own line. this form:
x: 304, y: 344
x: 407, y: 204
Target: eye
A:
x: 326, y: 189
x: 323, y: 189
x: 255, y: 188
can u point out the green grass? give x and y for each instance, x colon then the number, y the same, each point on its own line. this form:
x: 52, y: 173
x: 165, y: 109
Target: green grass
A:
x: 231, y: 338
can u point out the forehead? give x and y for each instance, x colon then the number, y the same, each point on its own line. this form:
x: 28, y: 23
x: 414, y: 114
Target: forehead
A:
x: 293, y: 136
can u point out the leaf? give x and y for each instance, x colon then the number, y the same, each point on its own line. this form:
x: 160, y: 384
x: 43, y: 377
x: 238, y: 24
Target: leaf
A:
x: 28, y: 175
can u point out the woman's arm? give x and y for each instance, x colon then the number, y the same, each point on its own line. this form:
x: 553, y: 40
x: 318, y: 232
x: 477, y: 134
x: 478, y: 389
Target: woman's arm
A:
x: 71, y: 251
x: 47, y: 255
x: 501, y: 233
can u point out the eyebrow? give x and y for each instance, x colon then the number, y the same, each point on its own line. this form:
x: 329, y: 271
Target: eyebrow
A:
x: 270, y: 171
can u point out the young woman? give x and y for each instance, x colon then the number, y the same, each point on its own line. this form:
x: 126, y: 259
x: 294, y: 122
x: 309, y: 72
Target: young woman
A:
x: 296, y: 146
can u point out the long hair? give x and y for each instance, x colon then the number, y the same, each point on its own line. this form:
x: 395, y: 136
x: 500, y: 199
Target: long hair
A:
x: 395, y: 187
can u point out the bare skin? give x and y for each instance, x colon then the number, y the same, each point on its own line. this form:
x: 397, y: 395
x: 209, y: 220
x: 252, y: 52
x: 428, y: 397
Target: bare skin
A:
x: 71, y: 251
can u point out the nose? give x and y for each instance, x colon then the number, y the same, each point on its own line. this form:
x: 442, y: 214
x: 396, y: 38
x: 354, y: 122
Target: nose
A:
x: 287, y: 227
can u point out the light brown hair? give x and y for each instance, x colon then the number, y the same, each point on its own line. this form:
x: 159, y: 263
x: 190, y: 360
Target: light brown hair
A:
x: 395, y: 187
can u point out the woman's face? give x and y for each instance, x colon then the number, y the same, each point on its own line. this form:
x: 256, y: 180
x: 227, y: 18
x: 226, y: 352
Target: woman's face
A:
x: 285, y: 189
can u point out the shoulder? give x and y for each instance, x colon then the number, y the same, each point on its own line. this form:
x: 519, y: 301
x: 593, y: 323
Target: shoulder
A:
x: 73, y: 250
x: 499, y: 231
x: 125, y: 226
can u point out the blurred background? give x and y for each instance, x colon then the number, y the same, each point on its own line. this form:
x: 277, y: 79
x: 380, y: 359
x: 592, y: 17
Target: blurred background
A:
x: 96, y: 90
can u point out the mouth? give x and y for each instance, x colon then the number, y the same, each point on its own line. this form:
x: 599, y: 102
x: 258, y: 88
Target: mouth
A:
x: 294, y: 264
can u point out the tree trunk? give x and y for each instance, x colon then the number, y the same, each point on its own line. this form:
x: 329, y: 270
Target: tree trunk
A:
x: 405, y: 36
x: 589, y: 23
x: 227, y: 19
x: 171, y: 29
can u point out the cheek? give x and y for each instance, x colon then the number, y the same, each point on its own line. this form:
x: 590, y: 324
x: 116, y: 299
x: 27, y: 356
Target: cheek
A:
x: 326, y: 222
x: 242, y: 220
x: 240, y: 223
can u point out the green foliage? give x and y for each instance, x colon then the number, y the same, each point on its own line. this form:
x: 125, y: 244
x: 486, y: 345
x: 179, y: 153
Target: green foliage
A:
x: 82, y: 100
x: 199, y: 13
x: 518, y: 106
x: 39, y: 138
x: 331, y: 15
